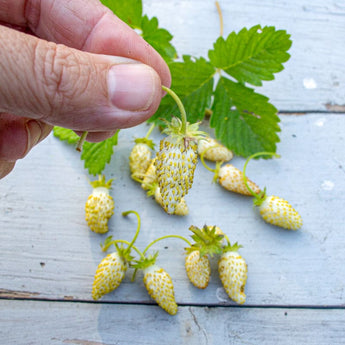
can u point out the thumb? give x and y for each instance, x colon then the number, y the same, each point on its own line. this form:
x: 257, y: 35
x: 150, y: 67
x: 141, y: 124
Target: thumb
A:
x: 67, y: 87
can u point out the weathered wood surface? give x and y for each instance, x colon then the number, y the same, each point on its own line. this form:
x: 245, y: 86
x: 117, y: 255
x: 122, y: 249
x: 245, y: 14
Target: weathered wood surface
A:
x: 48, y: 255
x: 47, y: 250
x: 106, y: 324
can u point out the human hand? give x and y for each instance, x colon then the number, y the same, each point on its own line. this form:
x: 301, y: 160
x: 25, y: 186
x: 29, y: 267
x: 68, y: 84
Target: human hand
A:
x: 73, y: 64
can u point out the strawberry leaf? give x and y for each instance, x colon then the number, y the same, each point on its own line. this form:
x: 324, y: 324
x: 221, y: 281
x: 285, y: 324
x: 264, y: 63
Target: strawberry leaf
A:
x: 129, y: 11
x: 192, y: 81
x: 65, y: 134
x: 95, y: 155
x: 252, y: 55
x: 243, y: 120
x: 158, y: 38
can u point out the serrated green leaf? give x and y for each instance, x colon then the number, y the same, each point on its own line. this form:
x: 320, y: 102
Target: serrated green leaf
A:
x: 192, y: 81
x: 65, y: 134
x: 244, y: 120
x: 129, y: 11
x: 158, y: 38
x: 252, y: 55
x: 97, y: 155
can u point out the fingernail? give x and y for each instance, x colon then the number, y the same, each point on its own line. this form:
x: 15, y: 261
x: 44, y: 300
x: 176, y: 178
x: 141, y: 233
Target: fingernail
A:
x: 34, y: 131
x: 132, y: 87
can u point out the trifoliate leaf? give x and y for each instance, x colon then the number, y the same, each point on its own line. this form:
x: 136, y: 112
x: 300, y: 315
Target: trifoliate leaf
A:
x: 252, y: 55
x: 244, y: 120
x: 192, y: 81
x: 129, y: 11
x: 95, y: 155
x: 65, y: 134
x: 158, y: 38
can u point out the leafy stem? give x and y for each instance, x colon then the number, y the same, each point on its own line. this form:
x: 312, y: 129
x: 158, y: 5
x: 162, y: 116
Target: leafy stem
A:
x: 81, y: 141
x: 221, y: 22
x: 180, y: 106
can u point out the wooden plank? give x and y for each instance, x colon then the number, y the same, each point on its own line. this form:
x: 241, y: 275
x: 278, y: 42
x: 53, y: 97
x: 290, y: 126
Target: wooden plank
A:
x: 314, y: 77
x: 47, y: 251
x: 21, y: 323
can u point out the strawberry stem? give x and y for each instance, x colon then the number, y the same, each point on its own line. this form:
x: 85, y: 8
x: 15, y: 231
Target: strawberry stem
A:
x: 81, y: 141
x: 115, y: 242
x: 218, y: 164
x: 180, y: 106
x: 137, y: 231
x: 245, y: 180
x: 164, y: 237
x: 150, y: 131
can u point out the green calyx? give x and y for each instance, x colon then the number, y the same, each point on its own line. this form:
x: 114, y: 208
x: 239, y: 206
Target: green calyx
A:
x: 232, y: 247
x: 180, y: 129
x: 207, y: 241
x: 145, y: 141
x: 145, y: 262
x: 259, y: 198
x: 101, y: 182
x: 174, y: 129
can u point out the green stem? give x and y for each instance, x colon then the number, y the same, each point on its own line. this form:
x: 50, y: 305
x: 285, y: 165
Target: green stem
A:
x: 180, y: 106
x: 245, y: 167
x: 202, y: 159
x: 81, y: 141
x: 150, y: 131
x: 137, y: 231
x: 164, y: 237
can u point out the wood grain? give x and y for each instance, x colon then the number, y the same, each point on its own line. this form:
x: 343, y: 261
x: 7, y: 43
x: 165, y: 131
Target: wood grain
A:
x: 47, y: 250
x: 107, y: 324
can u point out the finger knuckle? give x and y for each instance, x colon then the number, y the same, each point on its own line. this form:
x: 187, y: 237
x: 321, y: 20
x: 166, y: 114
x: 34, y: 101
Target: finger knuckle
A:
x: 64, y: 76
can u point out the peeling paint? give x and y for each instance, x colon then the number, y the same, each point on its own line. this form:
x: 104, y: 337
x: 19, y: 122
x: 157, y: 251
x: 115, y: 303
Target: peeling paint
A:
x: 327, y: 185
x: 4, y: 293
x: 335, y: 107
x: 309, y: 83
x: 83, y: 342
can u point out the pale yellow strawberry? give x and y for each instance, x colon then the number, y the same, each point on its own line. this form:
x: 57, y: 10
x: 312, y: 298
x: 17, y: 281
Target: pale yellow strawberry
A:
x: 231, y: 179
x: 109, y: 275
x: 99, y: 206
x: 181, y: 208
x: 213, y: 150
x: 150, y: 176
x: 160, y: 287
x: 233, y: 272
x: 175, y: 166
x: 279, y: 212
x: 139, y: 159
x: 198, y: 269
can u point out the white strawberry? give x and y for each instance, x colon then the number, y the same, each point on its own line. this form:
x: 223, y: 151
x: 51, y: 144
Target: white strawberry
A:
x: 99, y: 206
x: 140, y: 157
x: 233, y: 272
x: 213, y: 150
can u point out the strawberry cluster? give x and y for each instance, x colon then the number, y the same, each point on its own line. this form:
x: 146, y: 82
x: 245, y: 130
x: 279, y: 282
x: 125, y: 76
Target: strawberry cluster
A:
x: 208, y: 241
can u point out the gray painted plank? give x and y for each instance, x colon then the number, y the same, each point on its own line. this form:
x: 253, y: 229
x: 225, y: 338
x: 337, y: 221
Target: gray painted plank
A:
x: 21, y: 323
x: 314, y: 77
x: 47, y: 251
